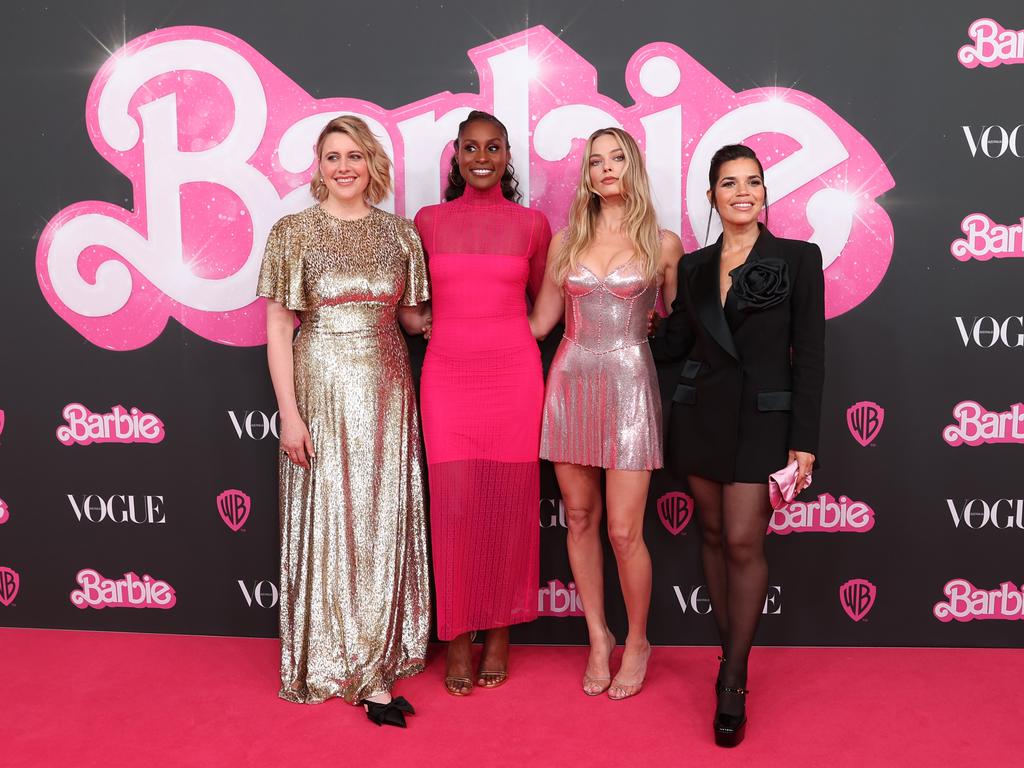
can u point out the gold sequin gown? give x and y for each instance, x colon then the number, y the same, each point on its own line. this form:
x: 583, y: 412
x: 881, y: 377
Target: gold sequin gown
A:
x: 355, y: 610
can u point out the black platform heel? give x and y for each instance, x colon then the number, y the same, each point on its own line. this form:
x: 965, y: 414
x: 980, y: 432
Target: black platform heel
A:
x: 729, y: 729
x: 392, y: 713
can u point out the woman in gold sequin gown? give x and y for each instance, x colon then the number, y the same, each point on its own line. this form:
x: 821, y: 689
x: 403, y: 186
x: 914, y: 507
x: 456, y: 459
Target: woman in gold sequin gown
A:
x: 354, y: 609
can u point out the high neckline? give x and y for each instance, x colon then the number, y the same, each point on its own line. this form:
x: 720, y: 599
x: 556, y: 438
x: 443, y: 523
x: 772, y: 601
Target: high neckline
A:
x: 489, y: 196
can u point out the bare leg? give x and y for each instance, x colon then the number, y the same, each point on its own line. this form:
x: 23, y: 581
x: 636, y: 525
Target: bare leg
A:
x: 494, y: 659
x: 627, y: 501
x: 746, y: 512
x: 458, y: 673
x: 581, y: 494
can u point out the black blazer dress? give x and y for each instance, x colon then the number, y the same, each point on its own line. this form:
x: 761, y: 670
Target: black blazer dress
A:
x: 750, y: 388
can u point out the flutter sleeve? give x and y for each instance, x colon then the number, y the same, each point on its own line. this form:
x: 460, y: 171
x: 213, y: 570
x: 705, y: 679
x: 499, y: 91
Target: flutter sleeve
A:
x: 281, y: 273
x: 417, y: 289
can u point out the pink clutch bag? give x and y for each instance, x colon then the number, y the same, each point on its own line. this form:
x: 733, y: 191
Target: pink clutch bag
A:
x: 782, y: 485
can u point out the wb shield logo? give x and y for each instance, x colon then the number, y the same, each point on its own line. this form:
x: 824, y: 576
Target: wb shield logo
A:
x: 857, y: 596
x: 234, y: 508
x: 675, y: 509
x: 9, y: 583
x: 865, y: 421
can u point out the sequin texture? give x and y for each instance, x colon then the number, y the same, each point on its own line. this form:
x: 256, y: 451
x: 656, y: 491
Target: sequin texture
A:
x: 354, y: 606
x: 602, y: 407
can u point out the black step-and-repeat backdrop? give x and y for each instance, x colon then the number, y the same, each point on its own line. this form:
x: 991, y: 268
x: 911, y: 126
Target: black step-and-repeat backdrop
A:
x: 149, y: 149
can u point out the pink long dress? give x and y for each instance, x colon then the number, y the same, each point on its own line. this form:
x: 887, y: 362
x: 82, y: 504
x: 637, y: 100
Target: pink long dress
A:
x: 481, y: 395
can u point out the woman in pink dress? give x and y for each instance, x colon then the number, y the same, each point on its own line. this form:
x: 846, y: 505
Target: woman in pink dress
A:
x: 602, y: 410
x: 481, y: 397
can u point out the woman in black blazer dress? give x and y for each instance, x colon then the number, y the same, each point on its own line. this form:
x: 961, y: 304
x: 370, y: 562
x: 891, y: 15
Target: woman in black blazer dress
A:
x: 749, y: 318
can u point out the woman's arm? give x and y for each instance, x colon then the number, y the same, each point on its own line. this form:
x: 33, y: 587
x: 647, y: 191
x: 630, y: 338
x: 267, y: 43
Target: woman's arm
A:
x: 668, y: 266
x: 807, y: 342
x: 674, y: 338
x: 295, y: 439
x: 415, y: 320
x: 548, y: 307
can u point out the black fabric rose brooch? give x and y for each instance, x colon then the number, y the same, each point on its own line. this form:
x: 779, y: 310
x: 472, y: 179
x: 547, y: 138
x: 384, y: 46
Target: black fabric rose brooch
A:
x: 760, y: 283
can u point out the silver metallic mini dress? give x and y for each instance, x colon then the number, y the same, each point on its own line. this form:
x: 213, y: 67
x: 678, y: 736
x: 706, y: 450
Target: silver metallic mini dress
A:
x: 602, y: 407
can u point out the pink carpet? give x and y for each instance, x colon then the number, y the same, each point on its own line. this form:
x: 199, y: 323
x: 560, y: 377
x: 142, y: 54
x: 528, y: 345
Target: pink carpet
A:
x: 106, y: 699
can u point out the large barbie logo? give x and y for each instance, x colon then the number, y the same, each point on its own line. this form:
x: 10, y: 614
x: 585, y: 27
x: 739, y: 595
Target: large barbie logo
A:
x: 217, y: 144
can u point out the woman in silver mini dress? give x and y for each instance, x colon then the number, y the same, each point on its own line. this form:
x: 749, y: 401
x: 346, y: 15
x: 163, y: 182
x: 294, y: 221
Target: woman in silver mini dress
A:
x: 602, y: 410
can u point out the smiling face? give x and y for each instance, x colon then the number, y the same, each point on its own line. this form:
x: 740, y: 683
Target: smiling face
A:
x: 343, y: 166
x: 739, y: 193
x: 607, y: 166
x: 482, y: 154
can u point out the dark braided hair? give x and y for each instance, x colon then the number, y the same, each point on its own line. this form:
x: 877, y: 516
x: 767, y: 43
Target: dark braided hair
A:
x: 457, y: 184
x: 724, y: 155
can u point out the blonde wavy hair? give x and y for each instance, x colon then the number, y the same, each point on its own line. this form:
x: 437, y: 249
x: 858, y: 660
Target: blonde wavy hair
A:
x: 640, y: 221
x: 377, y: 161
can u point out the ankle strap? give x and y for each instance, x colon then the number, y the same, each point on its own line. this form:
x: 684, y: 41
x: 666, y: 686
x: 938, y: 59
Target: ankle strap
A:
x: 740, y: 691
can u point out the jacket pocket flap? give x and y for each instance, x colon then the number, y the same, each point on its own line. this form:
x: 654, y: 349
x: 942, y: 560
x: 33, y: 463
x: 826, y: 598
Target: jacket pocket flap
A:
x: 685, y: 394
x: 691, y: 368
x: 775, y: 401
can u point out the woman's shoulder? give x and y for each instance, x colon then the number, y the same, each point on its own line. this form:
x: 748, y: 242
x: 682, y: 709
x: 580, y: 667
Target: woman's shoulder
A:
x: 800, y: 248
x: 292, y: 223
x: 696, y: 258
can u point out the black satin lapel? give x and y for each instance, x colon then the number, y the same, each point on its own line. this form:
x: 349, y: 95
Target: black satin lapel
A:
x: 710, y: 306
x: 765, y: 246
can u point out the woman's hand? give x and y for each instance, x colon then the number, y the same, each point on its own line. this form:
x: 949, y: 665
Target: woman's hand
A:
x: 805, y: 462
x: 296, y: 442
x: 653, y: 321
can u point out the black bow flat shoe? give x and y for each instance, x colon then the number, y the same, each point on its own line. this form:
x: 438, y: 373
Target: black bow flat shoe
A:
x: 392, y: 713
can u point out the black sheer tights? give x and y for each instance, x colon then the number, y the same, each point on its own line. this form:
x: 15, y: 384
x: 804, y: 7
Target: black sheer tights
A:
x: 734, y: 518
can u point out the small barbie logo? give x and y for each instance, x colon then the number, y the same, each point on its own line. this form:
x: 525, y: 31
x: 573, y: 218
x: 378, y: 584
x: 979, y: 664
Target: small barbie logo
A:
x: 2, y: 421
x: 5, y: 513
x: 976, y: 425
x: 556, y: 599
x: 965, y: 602
x: 121, y: 425
x: 984, y: 239
x: 675, y: 510
x: 234, y: 508
x: 865, y: 421
x: 992, y: 45
x: 9, y: 583
x: 857, y: 596
x: 824, y: 514
x: 127, y: 592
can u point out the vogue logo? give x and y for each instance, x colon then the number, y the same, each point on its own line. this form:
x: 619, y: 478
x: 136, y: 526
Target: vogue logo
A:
x: 696, y: 600
x: 215, y: 157
x: 864, y: 420
x: 992, y: 45
x: 557, y: 599
x: 965, y: 602
x: 987, y: 331
x: 857, y: 596
x: 234, y: 507
x: 984, y: 239
x: 9, y: 583
x: 993, y: 140
x: 262, y: 593
x: 5, y: 513
x: 975, y: 425
x: 96, y: 591
x: 552, y: 513
x: 978, y: 513
x: 256, y: 425
x: 120, y: 508
x: 824, y: 514
x: 121, y: 425
x: 675, y: 510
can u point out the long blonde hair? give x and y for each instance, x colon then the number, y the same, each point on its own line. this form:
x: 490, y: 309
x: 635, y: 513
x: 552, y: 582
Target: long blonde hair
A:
x: 640, y: 221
